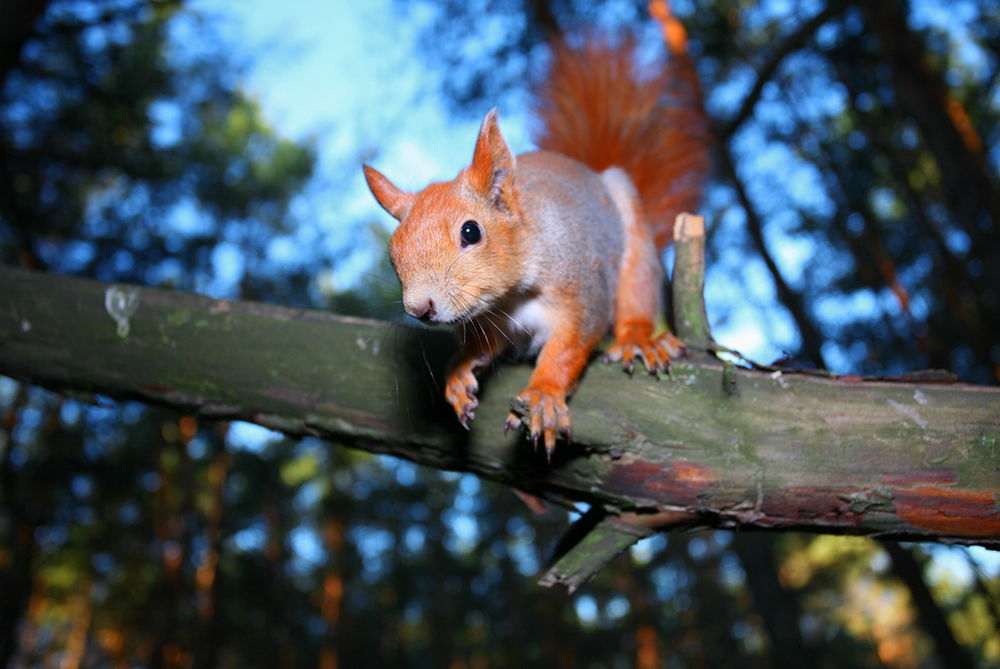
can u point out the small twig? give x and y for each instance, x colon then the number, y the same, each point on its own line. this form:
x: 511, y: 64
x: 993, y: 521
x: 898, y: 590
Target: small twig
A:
x: 915, y: 376
x: 688, y: 282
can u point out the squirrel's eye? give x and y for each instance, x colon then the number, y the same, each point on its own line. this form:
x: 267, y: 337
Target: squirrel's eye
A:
x: 471, y: 234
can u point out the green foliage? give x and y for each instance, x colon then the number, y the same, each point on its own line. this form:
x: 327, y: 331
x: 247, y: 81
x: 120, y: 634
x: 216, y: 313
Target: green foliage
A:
x: 127, y: 157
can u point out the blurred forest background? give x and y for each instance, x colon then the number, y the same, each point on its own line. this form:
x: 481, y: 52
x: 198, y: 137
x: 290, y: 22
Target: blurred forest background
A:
x: 855, y: 212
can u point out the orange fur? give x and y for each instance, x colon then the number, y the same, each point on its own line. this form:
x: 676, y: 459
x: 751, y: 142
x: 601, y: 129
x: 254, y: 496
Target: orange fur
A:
x: 598, y: 107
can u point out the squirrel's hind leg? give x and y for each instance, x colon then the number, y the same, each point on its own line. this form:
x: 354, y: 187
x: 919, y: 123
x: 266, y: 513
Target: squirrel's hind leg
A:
x: 640, y: 275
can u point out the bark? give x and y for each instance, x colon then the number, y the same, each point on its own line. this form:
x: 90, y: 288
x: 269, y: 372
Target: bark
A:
x: 711, y: 446
x: 688, y: 285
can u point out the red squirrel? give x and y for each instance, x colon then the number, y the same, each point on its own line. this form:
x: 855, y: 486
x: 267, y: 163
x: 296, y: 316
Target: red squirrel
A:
x: 549, y: 250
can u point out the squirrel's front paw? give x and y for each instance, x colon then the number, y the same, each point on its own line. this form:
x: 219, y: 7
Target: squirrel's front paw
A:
x: 460, y: 391
x: 655, y: 354
x: 548, y: 416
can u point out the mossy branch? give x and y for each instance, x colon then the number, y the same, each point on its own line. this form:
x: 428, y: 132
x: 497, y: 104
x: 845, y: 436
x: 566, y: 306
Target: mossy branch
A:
x: 710, y: 446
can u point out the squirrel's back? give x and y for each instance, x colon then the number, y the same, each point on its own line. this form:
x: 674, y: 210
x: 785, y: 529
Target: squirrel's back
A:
x: 566, y: 209
x: 598, y: 107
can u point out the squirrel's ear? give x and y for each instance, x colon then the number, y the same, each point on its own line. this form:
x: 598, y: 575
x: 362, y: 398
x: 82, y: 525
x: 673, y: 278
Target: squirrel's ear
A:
x: 392, y: 199
x: 492, y: 170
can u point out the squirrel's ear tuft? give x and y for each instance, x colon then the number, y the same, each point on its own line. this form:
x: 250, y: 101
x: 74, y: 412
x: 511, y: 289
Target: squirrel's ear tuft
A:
x: 491, y: 173
x: 392, y: 199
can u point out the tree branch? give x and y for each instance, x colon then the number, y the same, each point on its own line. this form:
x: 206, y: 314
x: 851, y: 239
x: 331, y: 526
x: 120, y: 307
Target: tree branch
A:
x: 901, y: 460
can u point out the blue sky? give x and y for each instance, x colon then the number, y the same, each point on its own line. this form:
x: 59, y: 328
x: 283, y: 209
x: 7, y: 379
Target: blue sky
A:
x: 350, y: 74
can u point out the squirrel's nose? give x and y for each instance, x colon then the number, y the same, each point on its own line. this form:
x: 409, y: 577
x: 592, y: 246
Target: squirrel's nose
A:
x: 425, y: 312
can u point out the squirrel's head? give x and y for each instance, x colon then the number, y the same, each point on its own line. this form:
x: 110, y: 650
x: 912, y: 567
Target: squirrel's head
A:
x: 457, y: 248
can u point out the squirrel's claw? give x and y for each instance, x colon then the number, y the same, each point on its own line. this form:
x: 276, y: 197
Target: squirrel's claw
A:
x: 512, y: 423
x: 460, y: 391
x: 548, y: 417
x: 671, y: 346
x: 655, y: 354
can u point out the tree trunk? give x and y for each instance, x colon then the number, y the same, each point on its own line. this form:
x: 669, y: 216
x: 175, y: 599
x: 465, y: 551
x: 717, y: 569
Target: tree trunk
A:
x: 922, y: 92
x: 76, y: 643
x: 18, y: 26
x: 929, y: 614
x: 208, y: 576
x: 777, y: 606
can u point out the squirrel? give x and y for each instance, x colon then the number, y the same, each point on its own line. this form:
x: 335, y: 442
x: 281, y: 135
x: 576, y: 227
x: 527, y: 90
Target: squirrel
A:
x: 549, y: 250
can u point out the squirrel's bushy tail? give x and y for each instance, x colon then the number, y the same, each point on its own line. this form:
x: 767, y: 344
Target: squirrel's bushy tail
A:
x: 598, y: 106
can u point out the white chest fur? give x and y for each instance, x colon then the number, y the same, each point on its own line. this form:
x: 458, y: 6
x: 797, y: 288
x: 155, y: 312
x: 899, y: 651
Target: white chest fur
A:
x: 529, y: 324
